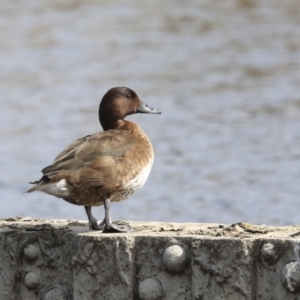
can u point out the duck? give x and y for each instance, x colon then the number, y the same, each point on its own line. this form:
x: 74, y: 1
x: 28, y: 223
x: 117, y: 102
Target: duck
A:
x: 104, y: 167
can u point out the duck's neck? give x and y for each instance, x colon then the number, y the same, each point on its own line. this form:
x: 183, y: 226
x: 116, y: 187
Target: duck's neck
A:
x: 111, y: 124
x: 137, y: 131
x: 131, y: 127
x: 139, y: 134
x: 124, y: 125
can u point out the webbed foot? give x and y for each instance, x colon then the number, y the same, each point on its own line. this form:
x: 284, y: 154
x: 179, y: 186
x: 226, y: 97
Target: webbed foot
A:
x: 111, y: 228
x: 95, y: 226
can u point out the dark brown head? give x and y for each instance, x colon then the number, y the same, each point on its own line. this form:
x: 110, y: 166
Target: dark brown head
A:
x: 118, y: 103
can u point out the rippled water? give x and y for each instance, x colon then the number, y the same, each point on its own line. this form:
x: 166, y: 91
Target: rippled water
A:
x: 226, y: 75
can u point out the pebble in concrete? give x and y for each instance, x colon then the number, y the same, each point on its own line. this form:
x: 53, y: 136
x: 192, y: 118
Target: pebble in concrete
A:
x: 175, y: 259
x: 277, y: 272
x: 56, y: 293
x: 150, y: 289
x: 291, y: 276
x: 31, y: 280
x: 154, y: 259
x: 31, y: 252
x: 269, y: 254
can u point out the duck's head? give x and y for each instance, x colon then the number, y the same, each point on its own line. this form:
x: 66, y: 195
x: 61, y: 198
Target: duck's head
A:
x: 118, y: 103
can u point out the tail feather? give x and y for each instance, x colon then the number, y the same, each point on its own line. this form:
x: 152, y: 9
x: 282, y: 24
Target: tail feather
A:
x: 34, y: 182
x: 38, y: 183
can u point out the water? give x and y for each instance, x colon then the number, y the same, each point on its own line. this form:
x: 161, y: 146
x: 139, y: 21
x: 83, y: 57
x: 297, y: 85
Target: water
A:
x: 225, y: 74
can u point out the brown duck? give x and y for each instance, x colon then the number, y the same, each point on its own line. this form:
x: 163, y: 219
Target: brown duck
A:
x: 104, y: 167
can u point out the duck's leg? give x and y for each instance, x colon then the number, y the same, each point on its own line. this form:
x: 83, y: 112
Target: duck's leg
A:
x: 108, y: 226
x: 92, y: 220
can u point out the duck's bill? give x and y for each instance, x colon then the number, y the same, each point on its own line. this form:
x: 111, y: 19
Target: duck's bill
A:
x: 144, y: 108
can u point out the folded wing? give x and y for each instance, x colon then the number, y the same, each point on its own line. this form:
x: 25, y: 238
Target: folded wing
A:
x: 82, y: 152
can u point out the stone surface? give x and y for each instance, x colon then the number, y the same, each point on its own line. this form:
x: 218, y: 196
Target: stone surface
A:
x: 102, y: 267
x: 9, y: 270
x: 281, y: 278
x: 64, y: 260
x: 149, y: 253
x: 221, y: 267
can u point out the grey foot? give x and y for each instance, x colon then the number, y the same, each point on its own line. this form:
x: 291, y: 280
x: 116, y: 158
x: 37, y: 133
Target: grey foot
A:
x: 111, y: 228
x: 92, y: 220
x: 94, y: 225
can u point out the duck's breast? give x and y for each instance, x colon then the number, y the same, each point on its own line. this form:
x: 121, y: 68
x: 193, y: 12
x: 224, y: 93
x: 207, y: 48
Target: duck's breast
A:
x: 140, y: 178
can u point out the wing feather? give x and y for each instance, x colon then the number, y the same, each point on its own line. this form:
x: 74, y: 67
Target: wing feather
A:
x: 113, y: 143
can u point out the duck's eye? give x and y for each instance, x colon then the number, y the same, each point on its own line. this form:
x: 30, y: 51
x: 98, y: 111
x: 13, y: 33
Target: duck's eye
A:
x: 128, y: 96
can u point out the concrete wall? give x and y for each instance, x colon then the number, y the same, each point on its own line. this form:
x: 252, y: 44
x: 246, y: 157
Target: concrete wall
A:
x: 47, y: 259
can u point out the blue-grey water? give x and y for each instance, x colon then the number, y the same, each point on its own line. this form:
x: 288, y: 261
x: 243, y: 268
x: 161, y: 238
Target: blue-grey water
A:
x: 225, y: 74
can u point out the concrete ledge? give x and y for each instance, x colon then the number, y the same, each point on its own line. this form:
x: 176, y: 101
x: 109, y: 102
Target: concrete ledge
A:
x: 59, y: 259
